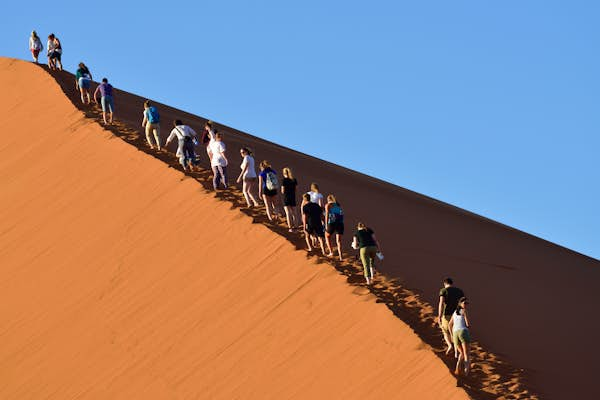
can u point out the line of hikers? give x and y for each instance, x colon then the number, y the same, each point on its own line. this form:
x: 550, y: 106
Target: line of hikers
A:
x: 321, y: 221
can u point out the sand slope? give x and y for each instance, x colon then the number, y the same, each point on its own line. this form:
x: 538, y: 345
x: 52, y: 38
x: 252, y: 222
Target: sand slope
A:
x: 121, y: 279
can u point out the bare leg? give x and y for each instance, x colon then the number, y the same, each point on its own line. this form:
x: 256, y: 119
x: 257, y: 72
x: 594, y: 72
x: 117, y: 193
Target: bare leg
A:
x: 458, y: 361
x: 465, y: 350
x: 328, y: 241
x: 288, y: 216
x: 306, y: 236
x: 148, y: 138
x: 111, y: 117
x: 267, y: 206
x: 338, y: 239
x: 250, y: 194
x: 104, y: 117
x: 245, y: 192
x: 322, y: 244
x: 82, y: 91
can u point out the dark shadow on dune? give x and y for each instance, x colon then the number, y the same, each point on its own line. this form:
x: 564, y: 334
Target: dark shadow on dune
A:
x: 491, y: 377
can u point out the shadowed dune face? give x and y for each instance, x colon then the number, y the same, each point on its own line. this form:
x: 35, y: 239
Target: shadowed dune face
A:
x: 119, y: 278
x: 517, y: 283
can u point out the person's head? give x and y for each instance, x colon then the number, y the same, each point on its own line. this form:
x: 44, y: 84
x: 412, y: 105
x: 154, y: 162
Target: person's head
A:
x: 51, y: 36
x: 34, y: 34
x: 331, y: 199
x: 462, y: 303
x: 104, y: 80
x: 218, y: 136
x: 208, y: 125
x: 314, y: 187
x: 447, y: 282
x: 245, y: 151
x: 177, y: 122
x: 264, y: 164
x: 81, y: 65
x: 306, y: 197
x: 287, y: 173
x: 147, y: 104
x: 360, y: 226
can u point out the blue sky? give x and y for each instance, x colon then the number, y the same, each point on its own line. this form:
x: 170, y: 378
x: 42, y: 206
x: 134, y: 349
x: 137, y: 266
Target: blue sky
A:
x: 490, y: 106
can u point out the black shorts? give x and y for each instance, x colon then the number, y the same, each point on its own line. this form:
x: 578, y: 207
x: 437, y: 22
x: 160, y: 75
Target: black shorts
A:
x: 289, y: 201
x: 316, y: 230
x: 269, y: 193
x: 335, y: 227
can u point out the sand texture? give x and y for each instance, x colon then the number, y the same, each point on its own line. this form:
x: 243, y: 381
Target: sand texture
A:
x: 123, y: 278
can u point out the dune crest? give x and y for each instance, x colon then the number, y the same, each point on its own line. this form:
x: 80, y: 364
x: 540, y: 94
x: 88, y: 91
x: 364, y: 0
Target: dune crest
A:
x: 121, y: 278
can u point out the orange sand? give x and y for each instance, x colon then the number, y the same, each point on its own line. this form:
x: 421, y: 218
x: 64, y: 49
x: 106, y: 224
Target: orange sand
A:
x: 121, y: 279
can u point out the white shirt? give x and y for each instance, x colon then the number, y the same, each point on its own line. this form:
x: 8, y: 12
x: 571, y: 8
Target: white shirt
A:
x: 50, y: 45
x: 251, y: 171
x: 217, y: 148
x: 179, y: 132
x: 35, y: 44
x: 459, y: 322
x: 316, y: 197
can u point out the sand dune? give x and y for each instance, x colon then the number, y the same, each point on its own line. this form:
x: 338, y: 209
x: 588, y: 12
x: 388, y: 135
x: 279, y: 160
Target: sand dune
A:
x: 123, y: 279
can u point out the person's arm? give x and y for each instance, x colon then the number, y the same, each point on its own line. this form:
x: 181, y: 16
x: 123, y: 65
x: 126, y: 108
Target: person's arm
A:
x: 440, y: 309
x: 327, y: 207
x: 171, y: 137
x: 244, y: 169
x: 303, y: 220
x: 95, y: 93
x: 355, y: 243
x: 144, y: 120
x: 377, y: 243
x: 464, y: 313
x: 223, y: 155
x: 282, y: 188
x: 450, y: 325
x: 260, y: 186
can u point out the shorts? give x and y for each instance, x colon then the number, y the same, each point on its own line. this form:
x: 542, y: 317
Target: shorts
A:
x: 289, y: 201
x: 316, y: 230
x: 54, y: 55
x: 335, y: 227
x: 35, y: 53
x: 84, y: 83
x: 107, y: 102
x: 269, y: 193
x: 460, y: 336
x: 445, y: 321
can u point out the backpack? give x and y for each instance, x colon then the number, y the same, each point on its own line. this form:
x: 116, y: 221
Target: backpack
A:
x: 271, y: 180
x: 153, y: 116
x: 336, y: 214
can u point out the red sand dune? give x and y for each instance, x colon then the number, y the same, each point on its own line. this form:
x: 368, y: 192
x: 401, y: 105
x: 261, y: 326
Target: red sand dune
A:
x: 109, y: 256
x: 122, y: 280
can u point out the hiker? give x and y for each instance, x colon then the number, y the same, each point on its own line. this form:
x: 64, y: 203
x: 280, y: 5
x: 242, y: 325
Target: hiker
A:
x: 315, y: 195
x: 268, y: 186
x: 369, y: 248
x: 106, y: 99
x: 83, y: 82
x: 248, y: 177
x: 334, y: 224
x: 35, y: 46
x: 449, y: 297
x: 288, y: 189
x: 459, y: 326
x: 185, y: 144
x: 208, y: 135
x: 54, y: 49
x: 312, y: 220
x: 218, y: 160
x: 151, y: 124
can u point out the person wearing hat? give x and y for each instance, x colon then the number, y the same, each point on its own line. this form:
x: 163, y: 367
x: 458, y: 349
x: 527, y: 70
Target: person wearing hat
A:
x: 459, y: 326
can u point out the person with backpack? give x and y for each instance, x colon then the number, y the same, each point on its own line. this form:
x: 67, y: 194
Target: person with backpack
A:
x: 218, y: 160
x: 35, y: 45
x: 83, y: 82
x: 369, y: 248
x: 459, y: 326
x: 185, y: 144
x: 312, y: 221
x: 248, y: 176
x: 106, y: 99
x: 268, y: 189
x: 315, y: 195
x: 288, y: 189
x: 151, y: 124
x: 54, y: 48
x: 334, y: 224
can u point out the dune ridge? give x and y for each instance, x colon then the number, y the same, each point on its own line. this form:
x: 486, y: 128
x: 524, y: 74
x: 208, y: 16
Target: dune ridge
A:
x: 120, y: 280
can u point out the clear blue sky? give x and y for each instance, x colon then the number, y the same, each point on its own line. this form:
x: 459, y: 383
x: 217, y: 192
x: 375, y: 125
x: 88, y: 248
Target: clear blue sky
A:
x: 490, y: 106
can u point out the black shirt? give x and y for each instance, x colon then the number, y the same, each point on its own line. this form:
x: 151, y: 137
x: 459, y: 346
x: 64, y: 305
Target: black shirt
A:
x: 365, y: 238
x: 289, y: 186
x: 313, y: 213
x: 451, y: 297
